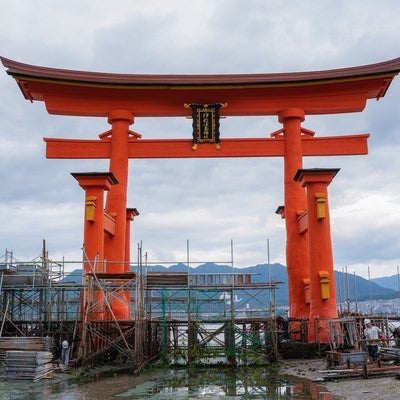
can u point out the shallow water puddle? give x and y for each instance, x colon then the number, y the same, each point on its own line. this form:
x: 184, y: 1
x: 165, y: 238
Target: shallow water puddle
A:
x: 178, y: 384
x: 218, y: 383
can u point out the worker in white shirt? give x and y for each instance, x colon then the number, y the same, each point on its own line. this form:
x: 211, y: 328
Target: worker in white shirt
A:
x: 372, y: 335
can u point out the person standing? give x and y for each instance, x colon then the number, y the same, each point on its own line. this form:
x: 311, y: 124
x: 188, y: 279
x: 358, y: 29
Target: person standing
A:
x: 372, y: 334
x: 65, y: 349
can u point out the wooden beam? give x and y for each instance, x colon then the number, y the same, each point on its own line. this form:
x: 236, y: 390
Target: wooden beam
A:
x: 182, y: 148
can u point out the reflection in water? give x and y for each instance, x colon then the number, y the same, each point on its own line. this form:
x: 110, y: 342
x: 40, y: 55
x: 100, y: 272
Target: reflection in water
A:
x: 42, y: 390
x: 211, y: 383
x: 252, y: 383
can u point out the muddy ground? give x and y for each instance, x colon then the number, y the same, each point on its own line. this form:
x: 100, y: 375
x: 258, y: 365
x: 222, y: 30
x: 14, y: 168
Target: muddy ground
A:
x: 378, y: 387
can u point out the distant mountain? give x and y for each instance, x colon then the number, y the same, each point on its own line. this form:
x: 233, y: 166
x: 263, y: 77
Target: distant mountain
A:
x: 74, y: 276
x: 390, y: 282
x: 349, y: 287
x: 206, y: 268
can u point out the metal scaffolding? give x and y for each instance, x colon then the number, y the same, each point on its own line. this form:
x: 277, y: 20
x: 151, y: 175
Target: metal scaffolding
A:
x: 196, y: 316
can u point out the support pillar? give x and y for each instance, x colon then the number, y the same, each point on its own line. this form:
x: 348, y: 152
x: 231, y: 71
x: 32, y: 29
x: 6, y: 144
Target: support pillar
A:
x: 131, y: 213
x: 297, y: 259
x: 94, y: 184
x: 115, y: 246
x: 322, y: 282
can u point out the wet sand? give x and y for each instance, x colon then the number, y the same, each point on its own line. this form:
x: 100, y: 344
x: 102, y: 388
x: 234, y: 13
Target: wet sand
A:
x: 159, y: 384
x: 67, y: 386
x: 373, y: 388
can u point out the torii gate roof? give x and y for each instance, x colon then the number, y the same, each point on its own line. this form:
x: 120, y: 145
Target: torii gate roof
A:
x: 70, y: 92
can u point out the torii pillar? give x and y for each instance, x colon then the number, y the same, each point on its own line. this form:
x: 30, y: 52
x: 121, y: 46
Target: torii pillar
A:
x: 115, y: 247
x: 322, y: 282
x: 94, y: 184
x: 297, y: 256
x: 131, y: 213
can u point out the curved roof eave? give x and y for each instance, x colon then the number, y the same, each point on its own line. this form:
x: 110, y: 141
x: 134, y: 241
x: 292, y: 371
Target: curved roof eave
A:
x: 17, y: 69
x: 70, y: 92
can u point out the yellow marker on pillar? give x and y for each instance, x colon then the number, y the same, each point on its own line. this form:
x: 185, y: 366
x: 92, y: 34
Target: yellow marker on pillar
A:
x: 320, y: 205
x: 90, y: 205
x: 324, y: 281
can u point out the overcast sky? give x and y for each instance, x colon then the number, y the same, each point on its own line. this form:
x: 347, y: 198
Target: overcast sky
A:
x: 204, y: 202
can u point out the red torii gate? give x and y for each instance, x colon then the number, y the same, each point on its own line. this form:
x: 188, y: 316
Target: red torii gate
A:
x: 289, y: 96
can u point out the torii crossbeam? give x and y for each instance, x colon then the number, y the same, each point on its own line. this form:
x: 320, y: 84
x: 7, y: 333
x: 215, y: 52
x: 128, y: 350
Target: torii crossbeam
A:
x: 181, y: 148
x: 289, y: 96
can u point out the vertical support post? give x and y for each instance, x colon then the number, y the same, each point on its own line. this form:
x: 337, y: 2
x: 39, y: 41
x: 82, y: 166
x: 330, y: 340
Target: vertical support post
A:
x: 164, y: 331
x: 115, y: 247
x: 131, y: 213
x: 94, y: 185
x: 297, y: 258
x: 322, y: 282
x: 126, y: 294
x: 230, y: 348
